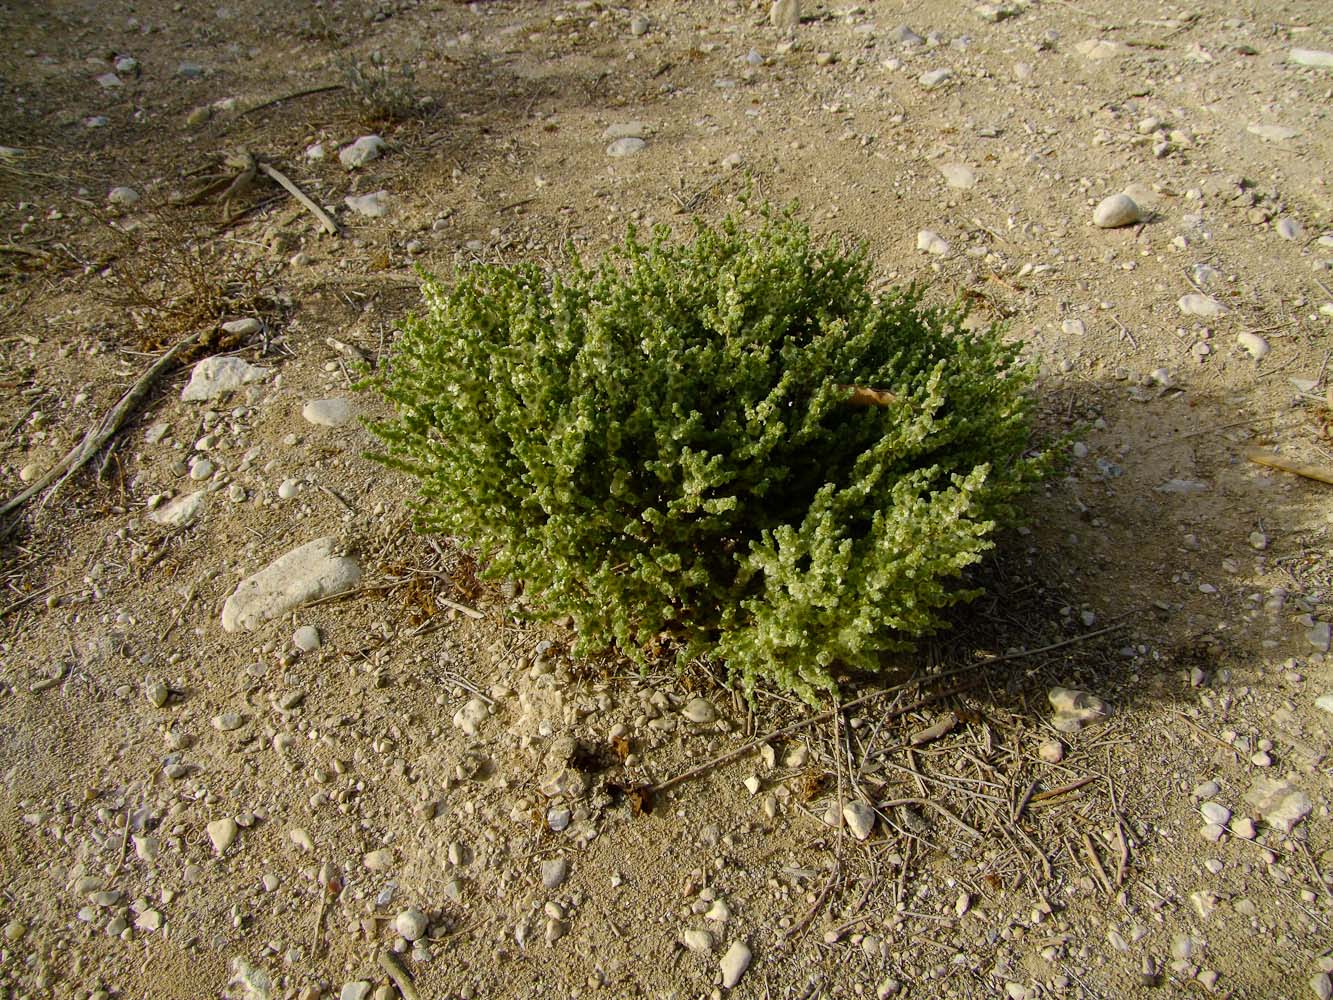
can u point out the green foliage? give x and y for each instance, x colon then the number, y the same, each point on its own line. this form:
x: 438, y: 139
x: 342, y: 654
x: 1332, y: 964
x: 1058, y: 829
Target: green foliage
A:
x: 663, y: 447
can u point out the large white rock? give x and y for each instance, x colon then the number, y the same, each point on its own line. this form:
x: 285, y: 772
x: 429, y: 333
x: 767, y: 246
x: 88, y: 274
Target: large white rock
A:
x: 217, y: 376
x: 308, y: 573
x: 1204, y: 306
x: 361, y: 152
x: 375, y: 205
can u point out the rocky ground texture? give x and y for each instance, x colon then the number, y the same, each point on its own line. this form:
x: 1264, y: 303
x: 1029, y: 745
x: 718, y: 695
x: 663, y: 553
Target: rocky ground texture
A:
x: 258, y: 739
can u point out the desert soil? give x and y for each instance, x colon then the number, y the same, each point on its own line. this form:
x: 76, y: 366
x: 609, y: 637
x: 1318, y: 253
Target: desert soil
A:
x: 409, y: 774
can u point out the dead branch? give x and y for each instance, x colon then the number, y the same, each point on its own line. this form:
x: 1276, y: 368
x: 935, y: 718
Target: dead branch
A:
x: 393, y: 965
x: 1262, y: 456
x: 325, y: 222
x: 862, y: 396
x: 97, y: 437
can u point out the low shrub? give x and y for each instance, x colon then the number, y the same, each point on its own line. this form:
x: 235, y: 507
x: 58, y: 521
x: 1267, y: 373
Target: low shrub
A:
x: 724, y: 446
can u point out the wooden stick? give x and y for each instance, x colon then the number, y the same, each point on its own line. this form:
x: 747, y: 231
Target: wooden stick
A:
x: 891, y: 803
x: 291, y: 97
x: 96, y: 437
x: 1091, y: 852
x: 1051, y: 793
x: 326, y: 223
x: 1262, y: 456
x: 393, y: 965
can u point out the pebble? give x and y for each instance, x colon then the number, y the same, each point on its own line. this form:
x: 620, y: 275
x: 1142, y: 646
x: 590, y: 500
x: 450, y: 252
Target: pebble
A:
x: 734, y: 963
x: 375, y: 205
x: 627, y: 146
x: 411, y: 924
x: 301, y: 839
x: 216, y: 376
x: 558, y: 818
x: 15, y: 929
x: 109, y: 81
x: 1321, y: 985
x: 958, y: 175
x: 930, y: 242
x: 1206, y: 790
x: 933, y: 78
x: 123, y: 196
x: 357, y: 989
x: 700, y: 711
x: 222, y: 832
x: 1311, y: 57
x: 1289, y: 229
x: 1116, y: 211
x: 147, y: 848
x: 333, y: 412
x: 1052, y: 751
x: 1075, y: 709
x: 227, y: 722
x: 470, y: 716
x: 307, y: 573
x: 378, y: 860
x: 1255, y: 346
x: 554, y: 872
x: 860, y: 818
x: 1204, y: 306
x: 201, y: 469
x: 639, y: 25
x: 1215, y: 812
x: 1324, y: 703
x: 626, y: 130
x: 361, y: 152
x: 1320, y: 636
x: 698, y: 941
x: 1097, y: 49
x: 307, y: 639
x: 288, y: 488
x: 247, y: 326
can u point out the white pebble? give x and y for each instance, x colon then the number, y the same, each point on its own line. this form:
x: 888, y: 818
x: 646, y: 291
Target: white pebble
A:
x: 410, y: 924
x: 734, y: 963
x: 222, y: 832
x: 931, y: 242
x: 1116, y: 211
x: 1253, y: 344
x: 307, y: 638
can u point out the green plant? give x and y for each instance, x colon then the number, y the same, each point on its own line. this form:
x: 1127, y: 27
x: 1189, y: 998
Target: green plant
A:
x: 667, y: 446
x: 388, y: 95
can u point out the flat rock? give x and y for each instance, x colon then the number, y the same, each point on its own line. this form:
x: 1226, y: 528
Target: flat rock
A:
x: 554, y: 872
x: 627, y: 146
x: 1281, y: 804
x: 1204, y: 306
x: 179, y: 512
x: 123, y: 196
x: 933, y: 78
x: 1075, y: 709
x: 700, y: 711
x: 361, y: 152
x: 217, y: 376
x: 958, y: 175
x: 1116, y: 211
x: 1273, y: 133
x: 375, y: 205
x: 860, y: 818
x: 734, y: 963
x: 308, y: 573
x: 357, y: 989
x: 1096, y: 49
x: 626, y: 130
x: 932, y: 243
x: 697, y: 940
x: 1311, y: 57
x: 307, y: 639
x: 333, y: 412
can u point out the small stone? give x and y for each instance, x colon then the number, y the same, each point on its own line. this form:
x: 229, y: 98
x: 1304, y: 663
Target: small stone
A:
x: 307, y: 639
x: 149, y: 921
x: 328, y: 412
x: 1325, y: 703
x: 288, y: 488
x: 109, y: 81
x: 958, y: 175
x: 1097, y: 49
x: 182, y: 511
x: 1116, y: 211
x: 1321, y: 985
x: 301, y: 839
x: 1204, y: 306
x: 627, y: 146
x: 1214, y: 812
x: 227, y: 722
x: 931, y: 243
x: 860, y: 818
x: 1289, y: 229
x: 752, y: 784
x: 1075, y: 709
x: 933, y: 78
x: 357, y: 989
x: 1052, y: 751
x: 734, y: 963
x: 1316, y: 58
x: 1274, y: 133
x: 639, y: 25
x: 222, y: 832
x: 361, y: 152
x: 698, y: 941
x: 470, y: 717
x: 156, y: 692
x: 123, y: 196
x: 379, y: 860
x: 554, y: 872
x: 147, y: 848
x: 1255, y: 346
x: 1320, y: 636
x: 202, y: 469
x: 247, y: 326
x: 411, y: 924
x: 15, y: 929
x: 1258, y: 541
x: 375, y: 205
x: 700, y: 711
x: 558, y: 818
x: 198, y: 116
